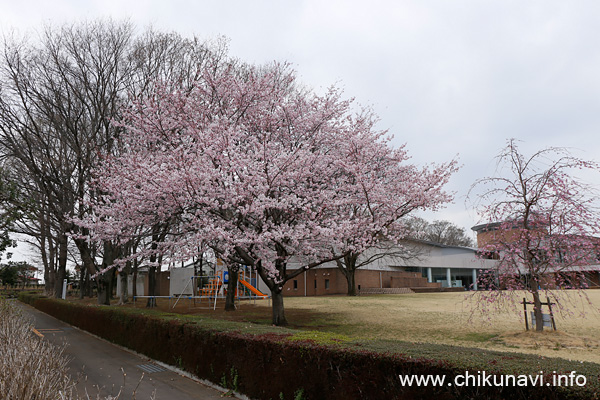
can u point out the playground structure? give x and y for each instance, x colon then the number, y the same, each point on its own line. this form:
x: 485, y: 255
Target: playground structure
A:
x: 197, y: 283
x: 214, y: 286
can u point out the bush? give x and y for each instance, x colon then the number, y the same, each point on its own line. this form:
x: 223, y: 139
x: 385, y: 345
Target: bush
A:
x: 30, y: 368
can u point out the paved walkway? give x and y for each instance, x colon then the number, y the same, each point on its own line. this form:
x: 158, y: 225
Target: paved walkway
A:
x: 105, y: 369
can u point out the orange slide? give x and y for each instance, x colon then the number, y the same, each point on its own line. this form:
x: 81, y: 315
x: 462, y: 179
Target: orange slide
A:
x: 253, y: 289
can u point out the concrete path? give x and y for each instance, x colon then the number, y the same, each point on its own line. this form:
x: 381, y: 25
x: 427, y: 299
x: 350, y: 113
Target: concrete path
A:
x: 105, y: 369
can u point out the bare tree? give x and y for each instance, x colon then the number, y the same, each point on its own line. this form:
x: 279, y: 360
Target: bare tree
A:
x: 439, y: 231
x: 59, y: 98
x: 9, y: 211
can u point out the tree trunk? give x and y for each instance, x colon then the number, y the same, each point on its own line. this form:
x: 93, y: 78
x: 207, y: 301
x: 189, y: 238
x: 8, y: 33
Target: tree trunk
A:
x: 49, y: 278
x: 134, y: 279
x: 537, y: 310
x: 275, y: 287
x: 47, y: 284
x: 348, y: 268
x: 151, y: 287
x: 81, y: 280
x: 105, y: 280
x: 123, y: 295
x: 278, y: 311
x: 231, y: 289
x: 276, y: 292
x: 350, y: 278
x: 48, y: 256
x: 61, y: 270
x: 88, y: 268
x: 156, y: 238
x: 103, y: 297
x: 112, y: 283
x: 89, y: 292
x: 104, y: 285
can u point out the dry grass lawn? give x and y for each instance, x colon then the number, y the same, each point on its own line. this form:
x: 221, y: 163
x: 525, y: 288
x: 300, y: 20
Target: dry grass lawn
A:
x: 443, y: 318
x: 449, y: 318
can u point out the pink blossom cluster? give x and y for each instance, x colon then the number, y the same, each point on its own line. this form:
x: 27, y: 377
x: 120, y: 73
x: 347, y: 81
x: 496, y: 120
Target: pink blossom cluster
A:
x: 259, y: 169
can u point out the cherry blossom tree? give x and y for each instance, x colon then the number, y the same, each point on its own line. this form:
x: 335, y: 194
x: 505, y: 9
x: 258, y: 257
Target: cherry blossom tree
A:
x: 542, y: 226
x: 388, y: 189
x: 252, y: 165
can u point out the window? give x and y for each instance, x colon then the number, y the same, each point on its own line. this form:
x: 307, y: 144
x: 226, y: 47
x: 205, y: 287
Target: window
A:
x: 295, y: 284
x: 315, y: 283
x: 326, y: 283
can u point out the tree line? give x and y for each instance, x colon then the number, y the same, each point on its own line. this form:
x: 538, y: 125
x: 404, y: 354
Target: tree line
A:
x: 124, y: 149
x: 59, y: 98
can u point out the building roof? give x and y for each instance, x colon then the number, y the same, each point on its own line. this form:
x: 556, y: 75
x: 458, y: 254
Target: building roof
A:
x: 488, y: 226
x: 440, y: 245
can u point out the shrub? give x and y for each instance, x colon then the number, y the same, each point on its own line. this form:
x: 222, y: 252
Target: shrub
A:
x: 30, y: 368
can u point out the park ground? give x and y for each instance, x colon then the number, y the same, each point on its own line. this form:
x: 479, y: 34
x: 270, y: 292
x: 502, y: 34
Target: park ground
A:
x: 441, y: 318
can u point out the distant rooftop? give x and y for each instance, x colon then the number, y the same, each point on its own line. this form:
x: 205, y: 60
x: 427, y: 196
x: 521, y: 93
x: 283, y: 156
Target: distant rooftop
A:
x: 490, y: 226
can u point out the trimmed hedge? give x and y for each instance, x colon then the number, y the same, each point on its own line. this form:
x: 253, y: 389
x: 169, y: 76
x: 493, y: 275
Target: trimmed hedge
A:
x: 270, y: 366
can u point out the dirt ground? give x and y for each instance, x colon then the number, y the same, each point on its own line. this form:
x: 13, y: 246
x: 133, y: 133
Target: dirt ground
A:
x: 445, y: 318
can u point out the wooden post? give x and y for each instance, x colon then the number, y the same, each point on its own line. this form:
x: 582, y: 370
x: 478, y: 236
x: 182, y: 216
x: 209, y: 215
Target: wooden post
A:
x: 551, y: 313
x: 525, y: 312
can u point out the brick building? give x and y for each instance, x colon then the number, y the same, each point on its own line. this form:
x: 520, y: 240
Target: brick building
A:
x: 487, y: 233
x: 434, y: 267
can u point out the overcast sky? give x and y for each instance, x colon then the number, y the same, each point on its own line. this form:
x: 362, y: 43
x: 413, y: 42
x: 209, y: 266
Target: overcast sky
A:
x: 446, y: 77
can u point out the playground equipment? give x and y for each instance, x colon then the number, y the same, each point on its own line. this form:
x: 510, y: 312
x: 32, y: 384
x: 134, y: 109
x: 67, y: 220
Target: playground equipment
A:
x: 213, y: 287
x: 254, y: 290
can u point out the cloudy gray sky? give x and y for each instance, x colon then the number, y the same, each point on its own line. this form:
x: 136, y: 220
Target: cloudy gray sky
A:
x: 446, y: 77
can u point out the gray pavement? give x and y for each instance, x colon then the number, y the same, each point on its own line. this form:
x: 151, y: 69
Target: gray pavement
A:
x: 104, y: 369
